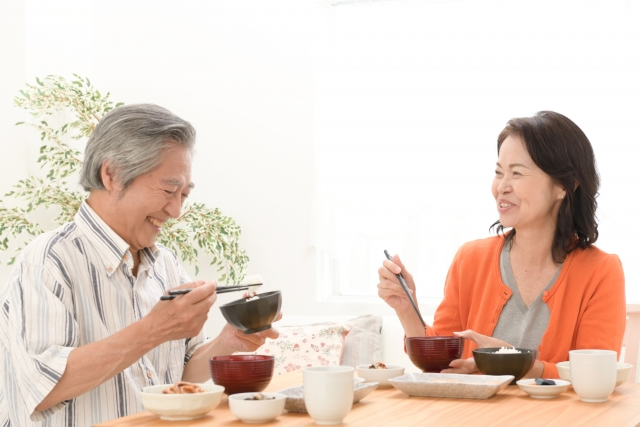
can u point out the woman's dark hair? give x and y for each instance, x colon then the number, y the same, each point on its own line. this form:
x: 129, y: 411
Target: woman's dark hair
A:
x: 560, y: 148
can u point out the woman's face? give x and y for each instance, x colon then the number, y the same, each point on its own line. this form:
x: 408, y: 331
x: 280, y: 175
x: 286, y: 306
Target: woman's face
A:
x: 526, y: 197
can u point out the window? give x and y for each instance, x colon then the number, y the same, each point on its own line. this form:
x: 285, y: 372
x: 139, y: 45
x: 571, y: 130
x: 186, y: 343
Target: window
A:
x: 410, y: 100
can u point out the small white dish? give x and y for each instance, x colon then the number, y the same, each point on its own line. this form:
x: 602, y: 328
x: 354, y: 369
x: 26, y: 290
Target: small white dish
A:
x: 295, y: 395
x: 451, y: 385
x: 187, y: 406
x: 623, y: 369
x: 257, y: 411
x: 381, y: 376
x: 530, y: 387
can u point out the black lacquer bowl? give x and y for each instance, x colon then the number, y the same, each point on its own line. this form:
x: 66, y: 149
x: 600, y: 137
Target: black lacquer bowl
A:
x: 517, y: 364
x: 252, y: 314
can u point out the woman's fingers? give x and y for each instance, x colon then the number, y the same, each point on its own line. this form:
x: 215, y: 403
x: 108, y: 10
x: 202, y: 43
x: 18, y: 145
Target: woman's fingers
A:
x: 461, y: 366
x: 483, y: 341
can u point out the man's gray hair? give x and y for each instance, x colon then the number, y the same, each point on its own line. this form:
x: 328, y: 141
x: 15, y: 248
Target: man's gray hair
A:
x: 132, y: 139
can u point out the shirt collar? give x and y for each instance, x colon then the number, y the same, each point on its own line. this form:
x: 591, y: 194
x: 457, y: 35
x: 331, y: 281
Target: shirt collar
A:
x: 110, y: 245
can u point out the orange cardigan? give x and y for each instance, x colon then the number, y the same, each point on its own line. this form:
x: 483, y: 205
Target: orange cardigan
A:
x: 587, y: 302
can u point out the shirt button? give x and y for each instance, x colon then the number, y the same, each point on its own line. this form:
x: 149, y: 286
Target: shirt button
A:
x: 110, y: 269
x: 545, y: 293
x: 126, y: 257
x: 149, y: 375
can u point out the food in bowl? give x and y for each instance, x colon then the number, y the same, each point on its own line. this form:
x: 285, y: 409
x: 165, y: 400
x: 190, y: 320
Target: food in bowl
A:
x: 251, y: 410
x: 380, y: 376
x: 538, y: 391
x: 507, y: 350
x: 378, y: 365
x: 490, y: 362
x: 251, y: 315
x: 181, y: 406
x: 259, y: 396
x: 183, y: 387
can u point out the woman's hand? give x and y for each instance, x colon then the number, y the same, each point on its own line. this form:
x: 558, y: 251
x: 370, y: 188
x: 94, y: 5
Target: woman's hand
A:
x: 391, y: 291
x: 482, y: 340
x: 461, y: 366
x: 389, y: 288
x: 468, y: 366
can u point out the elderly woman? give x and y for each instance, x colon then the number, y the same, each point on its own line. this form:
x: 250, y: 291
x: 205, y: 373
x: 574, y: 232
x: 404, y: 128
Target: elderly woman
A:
x: 541, y: 283
x: 83, y: 327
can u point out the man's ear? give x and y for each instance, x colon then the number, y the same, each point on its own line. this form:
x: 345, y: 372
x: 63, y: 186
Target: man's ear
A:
x: 108, y: 176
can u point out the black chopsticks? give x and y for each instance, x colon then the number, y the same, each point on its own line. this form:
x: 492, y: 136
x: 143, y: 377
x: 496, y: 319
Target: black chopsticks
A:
x: 221, y: 290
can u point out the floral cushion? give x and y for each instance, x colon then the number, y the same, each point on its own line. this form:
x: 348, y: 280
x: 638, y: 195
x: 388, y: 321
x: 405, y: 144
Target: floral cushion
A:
x: 299, y: 347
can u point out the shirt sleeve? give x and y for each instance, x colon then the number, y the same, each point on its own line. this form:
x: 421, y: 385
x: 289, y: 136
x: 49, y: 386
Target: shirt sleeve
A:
x: 40, y: 333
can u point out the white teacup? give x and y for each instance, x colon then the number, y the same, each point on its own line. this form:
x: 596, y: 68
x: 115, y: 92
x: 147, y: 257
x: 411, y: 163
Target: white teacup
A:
x: 328, y: 393
x: 593, y: 374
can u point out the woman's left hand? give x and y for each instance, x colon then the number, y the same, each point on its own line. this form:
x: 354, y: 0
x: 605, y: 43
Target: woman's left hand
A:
x: 482, y: 340
x: 468, y: 366
x: 461, y: 366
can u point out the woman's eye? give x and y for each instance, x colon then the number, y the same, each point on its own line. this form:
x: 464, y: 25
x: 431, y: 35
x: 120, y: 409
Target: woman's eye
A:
x: 498, y: 173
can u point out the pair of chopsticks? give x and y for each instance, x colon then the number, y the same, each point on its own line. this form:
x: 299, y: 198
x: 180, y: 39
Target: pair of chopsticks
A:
x: 221, y: 290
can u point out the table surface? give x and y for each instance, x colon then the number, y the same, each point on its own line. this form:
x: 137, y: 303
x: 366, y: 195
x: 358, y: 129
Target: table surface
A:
x: 388, y: 406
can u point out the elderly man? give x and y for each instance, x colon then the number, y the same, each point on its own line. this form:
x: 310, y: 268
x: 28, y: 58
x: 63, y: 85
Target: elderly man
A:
x: 83, y: 330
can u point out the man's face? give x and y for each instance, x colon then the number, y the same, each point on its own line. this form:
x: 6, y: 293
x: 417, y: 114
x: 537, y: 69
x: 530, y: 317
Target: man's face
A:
x: 139, y: 212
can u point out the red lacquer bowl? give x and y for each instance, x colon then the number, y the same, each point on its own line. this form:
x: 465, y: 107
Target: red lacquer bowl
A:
x: 433, y: 354
x: 242, y: 373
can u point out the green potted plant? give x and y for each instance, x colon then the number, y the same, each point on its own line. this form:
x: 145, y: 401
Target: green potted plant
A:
x: 74, y: 107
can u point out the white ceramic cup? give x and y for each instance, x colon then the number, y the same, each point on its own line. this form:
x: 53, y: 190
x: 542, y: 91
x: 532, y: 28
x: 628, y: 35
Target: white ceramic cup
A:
x: 593, y: 374
x: 328, y: 393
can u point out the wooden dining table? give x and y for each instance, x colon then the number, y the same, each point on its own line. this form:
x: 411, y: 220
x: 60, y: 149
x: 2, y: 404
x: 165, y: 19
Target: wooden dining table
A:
x: 391, y: 407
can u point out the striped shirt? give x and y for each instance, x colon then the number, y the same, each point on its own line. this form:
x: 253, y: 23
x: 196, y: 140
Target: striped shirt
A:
x: 74, y: 286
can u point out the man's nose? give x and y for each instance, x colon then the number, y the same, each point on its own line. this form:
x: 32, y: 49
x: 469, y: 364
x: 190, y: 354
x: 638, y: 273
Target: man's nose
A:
x: 174, y: 206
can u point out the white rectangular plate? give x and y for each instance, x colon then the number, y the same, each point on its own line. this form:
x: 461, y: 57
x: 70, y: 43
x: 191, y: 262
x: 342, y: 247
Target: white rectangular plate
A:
x: 451, y: 385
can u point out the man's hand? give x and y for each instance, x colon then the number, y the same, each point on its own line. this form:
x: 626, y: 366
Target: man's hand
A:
x: 185, y: 315
x: 236, y: 340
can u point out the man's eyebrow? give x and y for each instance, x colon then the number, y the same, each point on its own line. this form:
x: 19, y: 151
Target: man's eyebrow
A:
x: 177, y: 182
x: 514, y: 165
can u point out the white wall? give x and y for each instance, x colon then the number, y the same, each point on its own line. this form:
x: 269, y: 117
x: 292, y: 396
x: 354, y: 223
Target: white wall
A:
x: 241, y: 71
